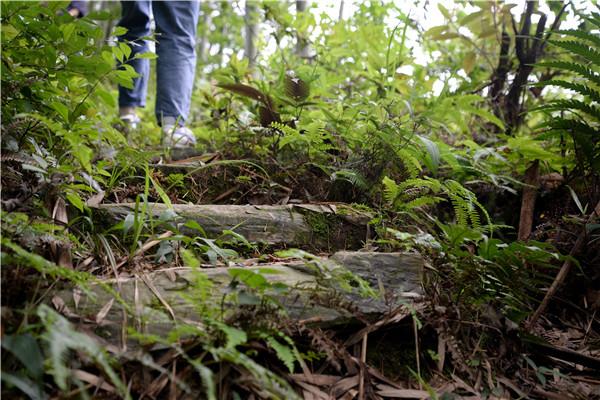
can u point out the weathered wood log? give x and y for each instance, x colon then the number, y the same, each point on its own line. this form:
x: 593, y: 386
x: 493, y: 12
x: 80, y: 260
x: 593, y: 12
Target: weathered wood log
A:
x: 322, y: 226
x: 161, y: 299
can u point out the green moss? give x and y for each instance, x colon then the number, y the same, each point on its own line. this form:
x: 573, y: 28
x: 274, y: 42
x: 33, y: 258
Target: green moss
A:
x: 320, y: 224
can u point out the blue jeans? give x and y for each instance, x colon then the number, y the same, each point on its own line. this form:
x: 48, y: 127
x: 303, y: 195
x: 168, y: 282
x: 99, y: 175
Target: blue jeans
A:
x: 176, y: 24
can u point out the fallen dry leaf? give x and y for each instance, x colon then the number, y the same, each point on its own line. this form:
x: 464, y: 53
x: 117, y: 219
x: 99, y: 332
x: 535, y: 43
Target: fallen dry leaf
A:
x: 104, y: 311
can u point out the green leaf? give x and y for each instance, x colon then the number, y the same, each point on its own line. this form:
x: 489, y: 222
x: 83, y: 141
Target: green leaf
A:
x: 67, y: 31
x: 579, y: 69
x: 252, y: 279
x: 163, y: 195
x: 27, y: 350
x: 579, y: 48
x: 106, y: 97
x: 118, y: 53
x: 196, y: 226
x: 148, y: 55
x: 469, y: 62
x: 444, y: 11
x: 61, y: 109
x: 125, y: 49
x: 189, y: 258
x: 31, y: 389
x: 433, y: 152
x: 61, y: 338
x: 234, y: 336
x: 581, y: 89
x: 75, y: 200
x: 119, y: 31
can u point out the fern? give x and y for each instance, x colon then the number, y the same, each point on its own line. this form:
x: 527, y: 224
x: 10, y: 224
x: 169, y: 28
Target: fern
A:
x: 579, y: 69
x: 355, y: 178
x: 61, y: 338
x: 283, y: 352
x: 582, y: 89
x: 465, y: 205
x: 582, y: 35
x: 578, y: 117
x: 580, y: 49
x: 391, y: 191
x: 571, y: 104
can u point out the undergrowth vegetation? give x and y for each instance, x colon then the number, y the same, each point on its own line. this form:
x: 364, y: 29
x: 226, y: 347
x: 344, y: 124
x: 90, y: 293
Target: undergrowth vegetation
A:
x: 434, y: 136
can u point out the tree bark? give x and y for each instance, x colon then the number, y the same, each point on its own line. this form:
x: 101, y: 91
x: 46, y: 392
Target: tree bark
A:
x: 251, y: 30
x: 315, y: 226
x: 528, y: 201
x: 302, y: 47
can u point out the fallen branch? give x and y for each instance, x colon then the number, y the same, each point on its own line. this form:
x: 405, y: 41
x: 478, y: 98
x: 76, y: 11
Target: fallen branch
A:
x: 564, y: 270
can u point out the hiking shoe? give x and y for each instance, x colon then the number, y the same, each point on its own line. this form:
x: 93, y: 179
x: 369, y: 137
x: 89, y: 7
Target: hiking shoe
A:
x: 179, y: 136
x: 130, y: 122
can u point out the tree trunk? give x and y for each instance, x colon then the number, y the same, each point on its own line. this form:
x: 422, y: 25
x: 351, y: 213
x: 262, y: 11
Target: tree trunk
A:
x: 302, y: 47
x: 251, y: 29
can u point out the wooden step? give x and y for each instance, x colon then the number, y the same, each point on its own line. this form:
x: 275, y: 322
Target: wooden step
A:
x: 160, y: 298
x: 322, y: 226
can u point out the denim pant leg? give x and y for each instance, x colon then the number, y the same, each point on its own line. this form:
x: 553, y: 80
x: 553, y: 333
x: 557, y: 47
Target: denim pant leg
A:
x: 135, y: 16
x: 176, y: 24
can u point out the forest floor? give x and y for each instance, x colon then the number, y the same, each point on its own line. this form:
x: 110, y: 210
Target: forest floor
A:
x: 301, y: 281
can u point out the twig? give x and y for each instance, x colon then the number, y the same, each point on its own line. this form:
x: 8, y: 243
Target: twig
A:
x: 416, y: 329
x: 363, y: 362
x: 564, y: 270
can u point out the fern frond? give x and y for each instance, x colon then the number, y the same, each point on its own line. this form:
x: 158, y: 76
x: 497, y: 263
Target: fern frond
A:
x: 390, y: 190
x: 594, y: 19
x: 579, y: 88
x: 422, y: 201
x: 579, y: 69
x: 286, y: 130
x: 570, y: 105
x: 579, y: 48
x: 433, y: 184
x: 581, y: 35
x: 351, y: 176
x: 572, y: 125
x: 410, y: 162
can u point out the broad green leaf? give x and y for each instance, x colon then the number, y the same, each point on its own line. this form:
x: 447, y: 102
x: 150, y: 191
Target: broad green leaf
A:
x: 75, y: 200
x: 61, y: 109
x: 469, y: 62
x: 27, y: 350
x: 125, y: 49
x: 119, y: 31
x: 444, y: 11
x: 106, y: 97
x: 31, y: 389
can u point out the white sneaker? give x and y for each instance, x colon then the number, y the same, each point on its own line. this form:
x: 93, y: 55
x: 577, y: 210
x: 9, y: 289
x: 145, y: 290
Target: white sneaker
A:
x: 131, y: 122
x: 178, y: 136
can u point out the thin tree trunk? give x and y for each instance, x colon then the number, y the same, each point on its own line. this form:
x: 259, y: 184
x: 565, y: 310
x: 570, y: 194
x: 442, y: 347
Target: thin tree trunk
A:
x: 341, y: 12
x: 203, y: 40
x: 251, y: 29
x: 302, y: 47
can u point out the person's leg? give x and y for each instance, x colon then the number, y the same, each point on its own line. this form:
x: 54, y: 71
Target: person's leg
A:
x: 136, y: 18
x: 176, y: 24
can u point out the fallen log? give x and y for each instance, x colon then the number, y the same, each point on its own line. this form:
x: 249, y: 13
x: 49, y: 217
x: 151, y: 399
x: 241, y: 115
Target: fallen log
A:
x: 161, y: 299
x: 318, y: 226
